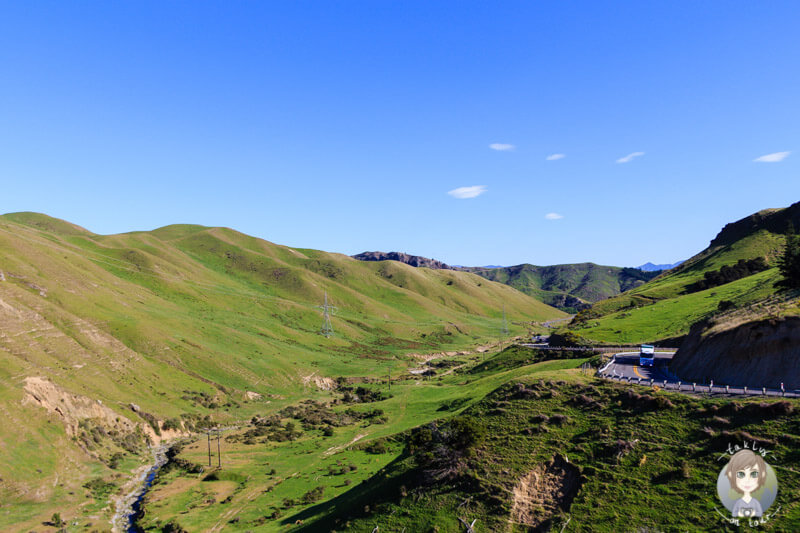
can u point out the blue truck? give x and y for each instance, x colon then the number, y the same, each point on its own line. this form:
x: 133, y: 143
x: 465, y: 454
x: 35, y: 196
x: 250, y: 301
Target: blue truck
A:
x: 646, y: 355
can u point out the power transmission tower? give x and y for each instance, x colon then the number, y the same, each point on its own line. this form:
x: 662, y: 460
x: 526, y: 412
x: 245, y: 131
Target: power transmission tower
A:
x: 327, y: 327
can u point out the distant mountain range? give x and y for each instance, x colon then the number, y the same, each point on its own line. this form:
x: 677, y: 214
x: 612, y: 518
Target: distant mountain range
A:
x: 569, y: 287
x: 650, y: 267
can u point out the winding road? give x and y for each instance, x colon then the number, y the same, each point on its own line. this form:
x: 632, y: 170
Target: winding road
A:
x: 625, y: 367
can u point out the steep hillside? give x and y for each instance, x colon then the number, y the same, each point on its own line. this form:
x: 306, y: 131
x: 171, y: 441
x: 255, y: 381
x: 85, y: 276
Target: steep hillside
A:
x: 754, y: 347
x: 109, y: 341
x: 569, y: 287
x: 736, y: 269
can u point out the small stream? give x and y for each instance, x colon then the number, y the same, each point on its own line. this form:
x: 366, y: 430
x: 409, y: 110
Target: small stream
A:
x: 128, y: 506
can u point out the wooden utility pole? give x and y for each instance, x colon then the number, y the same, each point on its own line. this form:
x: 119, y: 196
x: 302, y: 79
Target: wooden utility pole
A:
x: 208, y: 434
x: 219, y: 455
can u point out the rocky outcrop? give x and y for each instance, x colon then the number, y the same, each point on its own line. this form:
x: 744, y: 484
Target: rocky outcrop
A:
x: 413, y: 260
x: 772, y: 220
x: 760, y: 353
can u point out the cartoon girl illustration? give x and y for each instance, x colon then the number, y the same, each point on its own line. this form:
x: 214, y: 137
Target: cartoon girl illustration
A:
x: 746, y: 472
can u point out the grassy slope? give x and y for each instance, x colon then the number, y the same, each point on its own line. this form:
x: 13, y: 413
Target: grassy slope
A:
x: 672, y: 317
x: 669, y: 462
x: 660, y: 309
x: 146, y: 316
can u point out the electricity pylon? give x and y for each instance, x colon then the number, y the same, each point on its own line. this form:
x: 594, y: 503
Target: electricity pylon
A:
x: 327, y: 327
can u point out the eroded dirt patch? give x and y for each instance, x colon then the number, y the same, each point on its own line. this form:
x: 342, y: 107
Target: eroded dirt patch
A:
x: 321, y: 382
x: 543, y: 491
x: 72, y: 408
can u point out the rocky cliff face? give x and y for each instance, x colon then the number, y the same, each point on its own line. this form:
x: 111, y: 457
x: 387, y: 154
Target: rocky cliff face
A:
x: 761, y: 353
x: 413, y: 260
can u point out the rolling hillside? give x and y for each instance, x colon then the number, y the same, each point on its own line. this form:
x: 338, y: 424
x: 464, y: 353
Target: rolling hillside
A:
x: 569, y: 287
x: 667, y: 306
x: 109, y: 341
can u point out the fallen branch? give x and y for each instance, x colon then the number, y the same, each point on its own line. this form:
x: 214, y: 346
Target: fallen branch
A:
x: 470, y: 527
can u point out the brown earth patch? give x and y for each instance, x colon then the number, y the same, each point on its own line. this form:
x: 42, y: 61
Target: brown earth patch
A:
x: 540, y: 494
x: 72, y: 408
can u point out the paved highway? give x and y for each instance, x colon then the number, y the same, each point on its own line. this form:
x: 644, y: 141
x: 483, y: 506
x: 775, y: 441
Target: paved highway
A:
x: 625, y: 367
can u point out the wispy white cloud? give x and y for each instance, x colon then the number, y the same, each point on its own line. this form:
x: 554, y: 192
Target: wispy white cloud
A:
x: 555, y: 157
x: 772, y: 158
x: 467, y: 192
x: 628, y: 158
x: 553, y: 216
x: 502, y: 147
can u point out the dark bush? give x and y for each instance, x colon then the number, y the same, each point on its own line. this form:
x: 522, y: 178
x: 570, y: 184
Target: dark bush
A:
x: 443, y: 449
x: 312, y: 496
x: 727, y: 274
x: 172, y: 527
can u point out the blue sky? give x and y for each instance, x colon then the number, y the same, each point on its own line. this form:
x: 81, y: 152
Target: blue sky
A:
x: 422, y: 127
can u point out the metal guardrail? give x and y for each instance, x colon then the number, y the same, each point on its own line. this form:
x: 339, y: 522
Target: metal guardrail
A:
x: 676, y: 384
x: 602, y: 349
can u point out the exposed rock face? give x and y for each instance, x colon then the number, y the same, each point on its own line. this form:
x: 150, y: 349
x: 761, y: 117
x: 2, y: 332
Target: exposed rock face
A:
x: 544, y: 490
x: 413, y: 260
x: 761, y: 353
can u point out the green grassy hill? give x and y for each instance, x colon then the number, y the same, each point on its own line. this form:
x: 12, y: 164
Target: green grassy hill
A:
x: 570, y: 287
x: 667, y: 306
x: 574, y: 454
x: 169, y: 331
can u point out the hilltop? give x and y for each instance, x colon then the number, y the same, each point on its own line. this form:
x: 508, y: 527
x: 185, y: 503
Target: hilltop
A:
x: 736, y: 269
x: 111, y: 341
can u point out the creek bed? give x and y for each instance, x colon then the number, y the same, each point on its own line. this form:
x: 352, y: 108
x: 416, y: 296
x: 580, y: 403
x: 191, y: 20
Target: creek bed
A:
x: 130, y: 504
